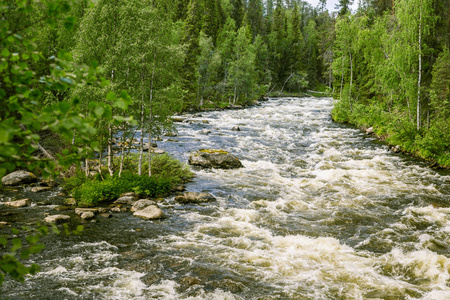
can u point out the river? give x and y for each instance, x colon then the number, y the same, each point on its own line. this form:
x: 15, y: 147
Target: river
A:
x: 320, y: 211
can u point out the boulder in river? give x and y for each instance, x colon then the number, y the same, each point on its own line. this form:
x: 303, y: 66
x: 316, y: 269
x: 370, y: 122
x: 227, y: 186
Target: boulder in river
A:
x: 57, y: 219
x: 18, y: 178
x: 194, y: 197
x: 38, y: 189
x: 126, y: 200
x: 19, y: 203
x: 79, y: 211
x: 236, y: 128
x: 211, y: 158
x: 141, y: 204
x: 149, y: 213
x: 87, y: 215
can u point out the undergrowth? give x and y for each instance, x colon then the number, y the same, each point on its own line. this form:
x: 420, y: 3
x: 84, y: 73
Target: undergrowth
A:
x: 167, y: 172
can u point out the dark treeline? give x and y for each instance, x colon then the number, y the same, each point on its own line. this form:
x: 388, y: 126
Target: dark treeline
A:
x: 140, y: 61
x: 392, y: 71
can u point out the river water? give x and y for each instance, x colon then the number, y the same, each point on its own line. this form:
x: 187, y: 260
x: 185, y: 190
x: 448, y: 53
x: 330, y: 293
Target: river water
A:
x: 320, y: 211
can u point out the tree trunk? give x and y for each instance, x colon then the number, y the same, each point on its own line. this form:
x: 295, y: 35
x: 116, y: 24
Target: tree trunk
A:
x: 110, y: 154
x: 342, y: 78
x: 351, y: 82
x: 141, y: 140
x: 100, y: 163
x: 86, y: 166
x: 419, y: 81
x: 122, y: 154
x: 150, y: 126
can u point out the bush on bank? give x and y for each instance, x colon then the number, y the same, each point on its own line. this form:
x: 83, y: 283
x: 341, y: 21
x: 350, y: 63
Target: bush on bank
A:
x: 431, y: 144
x: 167, y: 172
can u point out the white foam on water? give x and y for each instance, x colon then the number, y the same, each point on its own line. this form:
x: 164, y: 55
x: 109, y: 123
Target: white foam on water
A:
x: 378, y: 236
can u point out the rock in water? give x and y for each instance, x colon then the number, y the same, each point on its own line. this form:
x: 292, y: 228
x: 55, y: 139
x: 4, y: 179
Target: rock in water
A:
x: 19, y: 203
x: 194, y: 197
x: 141, y: 204
x: 87, y: 215
x: 126, y: 200
x: 149, y: 213
x: 79, y: 211
x: 38, y: 189
x: 210, y: 158
x: 57, y: 219
x: 18, y: 178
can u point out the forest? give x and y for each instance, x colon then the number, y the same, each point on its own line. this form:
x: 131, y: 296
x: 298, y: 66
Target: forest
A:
x: 391, y: 70
x: 81, y: 71
x: 80, y: 77
x: 85, y: 70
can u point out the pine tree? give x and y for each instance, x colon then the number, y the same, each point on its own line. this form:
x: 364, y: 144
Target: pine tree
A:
x: 211, y: 19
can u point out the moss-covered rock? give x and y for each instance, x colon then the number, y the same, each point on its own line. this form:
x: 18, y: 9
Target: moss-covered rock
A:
x: 212, y: 158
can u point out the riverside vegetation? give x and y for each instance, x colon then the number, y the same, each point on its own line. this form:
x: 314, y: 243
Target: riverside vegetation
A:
x: 75, y: 74
x: 391, y: 65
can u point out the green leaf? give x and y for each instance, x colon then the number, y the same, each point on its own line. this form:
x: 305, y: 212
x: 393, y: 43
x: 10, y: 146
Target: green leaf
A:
x: 99, y: 110
x: 3, y: 241
x: 35, y: 56
x: 32, y: 239
x: 17, y: 244
x: 69, y: 23
x: 15, y: 57
x: 5, y: 52
x: 120, y: 103
x: 25, y: 254
x: 111, y: 96
x: 63, y: 107
x: 36, y: 248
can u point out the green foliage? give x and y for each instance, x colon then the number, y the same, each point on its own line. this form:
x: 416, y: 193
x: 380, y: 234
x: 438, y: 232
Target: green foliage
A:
x: 391, y: 72
x: 28, y: 79
x: 163, y: 166
x: 167, y: 172
x: 94, y: 192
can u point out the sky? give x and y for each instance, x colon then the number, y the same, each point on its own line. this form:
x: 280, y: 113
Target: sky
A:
x: 332, y: 3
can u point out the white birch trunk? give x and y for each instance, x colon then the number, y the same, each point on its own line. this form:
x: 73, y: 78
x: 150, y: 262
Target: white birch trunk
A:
x: 351, y: 82
x: 150, y: 127
x: 110, y: 154
x: 419, y: 81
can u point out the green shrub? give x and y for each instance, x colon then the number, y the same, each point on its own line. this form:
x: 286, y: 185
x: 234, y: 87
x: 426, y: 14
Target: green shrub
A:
x: 162, y: 166
x: 74, y: 182
x: 93, y: 192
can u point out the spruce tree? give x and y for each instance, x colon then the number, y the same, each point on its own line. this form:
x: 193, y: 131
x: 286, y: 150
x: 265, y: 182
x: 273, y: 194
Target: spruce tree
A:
x: 192, y: 27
